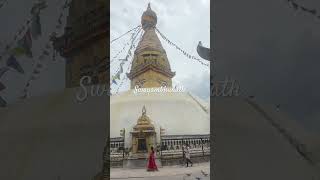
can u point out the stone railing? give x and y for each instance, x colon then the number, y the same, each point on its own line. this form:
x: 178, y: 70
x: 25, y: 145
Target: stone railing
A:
x: 172, y: 146
x: 171, y: 152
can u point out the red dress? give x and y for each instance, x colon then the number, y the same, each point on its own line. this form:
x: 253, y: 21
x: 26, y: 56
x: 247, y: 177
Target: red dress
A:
x: 152, y: 163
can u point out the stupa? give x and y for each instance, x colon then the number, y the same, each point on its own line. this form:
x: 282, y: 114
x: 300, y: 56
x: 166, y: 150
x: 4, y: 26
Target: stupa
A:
x: 168, y: 110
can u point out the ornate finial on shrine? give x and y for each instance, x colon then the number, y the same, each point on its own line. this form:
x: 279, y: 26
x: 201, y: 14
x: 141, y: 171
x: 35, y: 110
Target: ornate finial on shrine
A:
x: 144, y: 111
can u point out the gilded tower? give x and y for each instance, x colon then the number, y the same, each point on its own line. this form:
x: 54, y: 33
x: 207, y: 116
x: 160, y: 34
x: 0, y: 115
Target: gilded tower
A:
x: 85, y: 43
x: 150, y: 66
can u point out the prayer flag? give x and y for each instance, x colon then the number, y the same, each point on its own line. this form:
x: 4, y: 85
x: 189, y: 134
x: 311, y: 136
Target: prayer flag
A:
x: 24, y: 45
x: 117, y: 76
x: 3, y: 70
x: 13, y: 63
x: 36, y: 26
x: 2, y: 86
x: 3, y: 103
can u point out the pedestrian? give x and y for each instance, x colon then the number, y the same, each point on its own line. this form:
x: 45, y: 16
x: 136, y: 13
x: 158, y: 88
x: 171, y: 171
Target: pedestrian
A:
x: 152, y: 161
x: 188, y: 158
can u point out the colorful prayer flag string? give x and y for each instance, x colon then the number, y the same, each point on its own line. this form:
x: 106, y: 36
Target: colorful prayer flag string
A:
x: 120, y: 68
x: 45, y: 53
x: 2, y: 86
x: 3, y: 70
x: 310, y: 11
x: 2, y: 3
x: 31, y: 26
x: 128, y: 43
x: 181, y: 50
x: 124, y: 34
x: 128, y: 69
x: 3, y: 102
x: 124, y: 78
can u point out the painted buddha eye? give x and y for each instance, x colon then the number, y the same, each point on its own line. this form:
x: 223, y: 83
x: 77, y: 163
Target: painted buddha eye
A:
x: 162, y: 83
x: 140, y: 83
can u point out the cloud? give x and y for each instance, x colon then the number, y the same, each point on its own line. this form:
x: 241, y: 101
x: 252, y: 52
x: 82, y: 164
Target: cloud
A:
x: 198, y: 85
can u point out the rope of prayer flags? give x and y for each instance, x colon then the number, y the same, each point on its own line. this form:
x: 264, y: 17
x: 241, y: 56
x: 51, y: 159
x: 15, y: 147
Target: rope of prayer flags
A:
x: 2, y: 86
x: 296, y: 7
x: 128, y: 43
x: 124, y: 78
x: 3, y: 103
x: 24, y: 46
x: 38, y: 65
x: 14, y: 64
x: 34, y: 75
x: 32, y: 26
x: 117, y: 74
x: 124, y: 34
x: 36, y: 24
x: 3, y: 70
x: 120, y: 69
x: 3, y: 2
x: 9, y: 49
x: 128, y: 69
x: 180, y: 49
x: 114, y: 81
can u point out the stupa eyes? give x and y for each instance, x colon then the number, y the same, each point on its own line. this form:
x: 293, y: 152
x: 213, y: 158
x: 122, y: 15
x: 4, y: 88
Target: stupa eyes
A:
x: 140, y: 83
x: 162, y: 83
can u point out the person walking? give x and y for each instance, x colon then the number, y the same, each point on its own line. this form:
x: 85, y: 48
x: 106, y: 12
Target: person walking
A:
x: 152, y: 166
x: 187, y: 154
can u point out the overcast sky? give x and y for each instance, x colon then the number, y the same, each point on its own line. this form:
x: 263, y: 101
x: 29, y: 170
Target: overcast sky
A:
x: 273, y: 51
x: 176, y: 19
x: 184, y: 22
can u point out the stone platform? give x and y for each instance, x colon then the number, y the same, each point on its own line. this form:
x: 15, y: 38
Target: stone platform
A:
x: 200, y: 170
x: 138, y: 163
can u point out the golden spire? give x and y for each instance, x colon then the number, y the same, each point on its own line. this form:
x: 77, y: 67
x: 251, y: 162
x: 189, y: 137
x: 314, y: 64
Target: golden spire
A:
x: 150, y: 66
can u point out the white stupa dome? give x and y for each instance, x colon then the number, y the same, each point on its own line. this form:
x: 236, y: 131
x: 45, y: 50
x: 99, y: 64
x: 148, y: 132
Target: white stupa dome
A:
x: 179, y: 113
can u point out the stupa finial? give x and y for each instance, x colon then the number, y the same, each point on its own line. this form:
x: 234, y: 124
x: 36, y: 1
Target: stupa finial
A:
x: 149, y: 18
x: 144, y: 111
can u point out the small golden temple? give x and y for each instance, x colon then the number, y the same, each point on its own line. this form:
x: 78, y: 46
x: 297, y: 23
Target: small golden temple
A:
x: 143, y: 134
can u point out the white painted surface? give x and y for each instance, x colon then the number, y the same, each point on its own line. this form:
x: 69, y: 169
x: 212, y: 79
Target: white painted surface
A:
x: 178, y: 113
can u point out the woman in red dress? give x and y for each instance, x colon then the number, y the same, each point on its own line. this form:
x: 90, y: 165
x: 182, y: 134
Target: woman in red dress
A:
x: 152, y: 161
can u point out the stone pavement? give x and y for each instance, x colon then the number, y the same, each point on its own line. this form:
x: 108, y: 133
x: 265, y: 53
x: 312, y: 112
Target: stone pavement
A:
x: 198, y: 171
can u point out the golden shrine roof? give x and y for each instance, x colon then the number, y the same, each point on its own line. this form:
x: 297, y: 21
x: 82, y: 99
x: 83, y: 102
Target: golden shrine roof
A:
x: 144, y: 121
